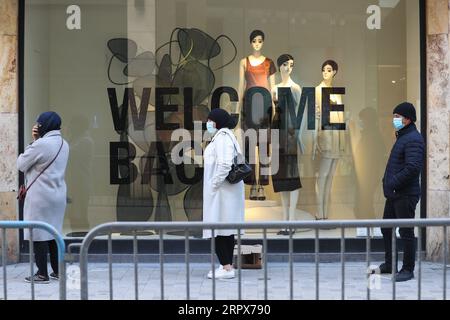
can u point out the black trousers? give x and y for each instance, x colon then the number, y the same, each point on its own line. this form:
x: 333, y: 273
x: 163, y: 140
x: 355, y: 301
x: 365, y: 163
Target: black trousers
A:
x: 41, y: 250
x: 403, y: 207
x: 224, y: 249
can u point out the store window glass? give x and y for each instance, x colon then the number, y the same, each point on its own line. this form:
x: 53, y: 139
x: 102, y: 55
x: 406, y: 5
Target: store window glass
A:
x: 320, y: 77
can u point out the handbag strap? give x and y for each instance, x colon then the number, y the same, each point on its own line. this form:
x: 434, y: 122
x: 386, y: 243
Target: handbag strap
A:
x: 62, y: 142
x: 235, y: 149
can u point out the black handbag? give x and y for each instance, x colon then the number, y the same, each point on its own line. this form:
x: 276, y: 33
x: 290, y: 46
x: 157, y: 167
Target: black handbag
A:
x: 240, y: 169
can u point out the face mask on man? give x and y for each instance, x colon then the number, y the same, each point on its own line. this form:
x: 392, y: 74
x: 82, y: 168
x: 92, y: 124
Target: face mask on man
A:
x: 210, y: 127
x: 398, y: 123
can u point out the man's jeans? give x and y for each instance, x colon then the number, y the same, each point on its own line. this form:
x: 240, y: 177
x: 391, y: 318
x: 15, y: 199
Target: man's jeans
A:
x: 403, y: 207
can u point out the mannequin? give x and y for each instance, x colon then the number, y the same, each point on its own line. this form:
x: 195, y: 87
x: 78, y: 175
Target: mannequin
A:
x: 329, y: 143
x: 287, y: 180
x: 256, y: 71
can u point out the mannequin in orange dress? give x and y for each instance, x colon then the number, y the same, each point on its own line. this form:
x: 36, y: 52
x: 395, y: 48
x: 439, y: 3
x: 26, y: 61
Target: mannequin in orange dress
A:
x: 256, y: 74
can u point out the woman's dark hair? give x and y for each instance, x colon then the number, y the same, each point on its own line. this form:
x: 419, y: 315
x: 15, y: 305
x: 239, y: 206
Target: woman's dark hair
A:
x: 331, y: 63
x: 256, y: 33
x: 283, y: 58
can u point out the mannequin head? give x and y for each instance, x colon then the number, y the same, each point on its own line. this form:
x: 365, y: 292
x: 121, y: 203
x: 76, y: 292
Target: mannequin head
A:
x: 329, y: 70
x: 257, y: 39
x: 285, y: 64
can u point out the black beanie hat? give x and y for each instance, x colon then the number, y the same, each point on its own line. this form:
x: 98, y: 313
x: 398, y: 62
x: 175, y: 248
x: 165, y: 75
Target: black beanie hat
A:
x: 407, y: 110
x: 221, y: 118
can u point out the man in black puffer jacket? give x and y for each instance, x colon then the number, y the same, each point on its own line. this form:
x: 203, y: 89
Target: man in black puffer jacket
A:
x: 401, y: 187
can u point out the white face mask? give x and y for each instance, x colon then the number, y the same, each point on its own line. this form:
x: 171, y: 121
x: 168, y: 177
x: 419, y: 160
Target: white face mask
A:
x: 210, y: 127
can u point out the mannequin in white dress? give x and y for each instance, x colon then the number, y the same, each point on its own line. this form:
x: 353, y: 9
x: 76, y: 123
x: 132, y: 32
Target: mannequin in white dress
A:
x: 329, y: 143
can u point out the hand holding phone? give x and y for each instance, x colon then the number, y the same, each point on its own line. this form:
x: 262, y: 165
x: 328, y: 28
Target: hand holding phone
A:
x: 35, y: 132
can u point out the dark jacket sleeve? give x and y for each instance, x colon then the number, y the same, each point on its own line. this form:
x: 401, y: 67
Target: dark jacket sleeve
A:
x: 414, y: 151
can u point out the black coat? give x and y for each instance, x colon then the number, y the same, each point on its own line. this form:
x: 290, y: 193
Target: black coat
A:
x: 405, y: 164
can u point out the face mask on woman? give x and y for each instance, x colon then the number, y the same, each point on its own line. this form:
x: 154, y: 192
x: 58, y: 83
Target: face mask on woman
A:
x: 210, y: 127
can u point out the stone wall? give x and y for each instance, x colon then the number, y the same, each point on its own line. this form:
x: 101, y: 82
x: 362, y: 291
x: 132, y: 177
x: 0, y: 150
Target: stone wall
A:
x: 9, y: 120
x: 438, y: 104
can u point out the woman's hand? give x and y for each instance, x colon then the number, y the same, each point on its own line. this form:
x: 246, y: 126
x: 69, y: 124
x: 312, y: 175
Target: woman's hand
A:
x: 35, y: 132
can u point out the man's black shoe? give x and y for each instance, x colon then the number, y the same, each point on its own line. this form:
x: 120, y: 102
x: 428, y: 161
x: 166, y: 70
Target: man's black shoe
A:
x: 404, y: 275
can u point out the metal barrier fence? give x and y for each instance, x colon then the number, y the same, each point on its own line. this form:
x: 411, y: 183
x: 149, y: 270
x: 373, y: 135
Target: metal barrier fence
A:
x: 4, y: 225
x: 134, y: 227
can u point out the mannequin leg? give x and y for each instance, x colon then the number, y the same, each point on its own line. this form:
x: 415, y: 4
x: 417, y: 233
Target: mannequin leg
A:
x: 328, y: 184
x: 293, y: 204
x: 285, y: 204
x: 325, y: 166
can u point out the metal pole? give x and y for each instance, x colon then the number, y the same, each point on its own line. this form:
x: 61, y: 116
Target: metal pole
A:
x: 186, y: 249
x: 110, y: 266
x: 239, y: 265
x: 4, y: 262
x: 31, y: 263
x: 265, y: 262
x: 316, y: 249
x: 291, y: 267
x: 62, y: 279
x: 368, y: 261
x: 419, y: 262
x: 445, y: 262
x: 394, y: 260
x: 213, y: 248
x: 342, y: 264
x: 161, y: 261
x: 135, y: 260
x: 84, y: 285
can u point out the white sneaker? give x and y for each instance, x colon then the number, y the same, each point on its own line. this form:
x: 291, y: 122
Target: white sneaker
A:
x: 224, y: 274
x: 217, y: 270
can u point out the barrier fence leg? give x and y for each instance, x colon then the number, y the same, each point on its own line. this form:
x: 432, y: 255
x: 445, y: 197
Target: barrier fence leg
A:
x: 445, y: 263
x: 4, y: 262
x: 394, y: 260
x: 188, y: 271
x: 161, y: 261
x: 316, y: 249
x: 31, y: 263
x: 368, y: 262
x: 265, y: 262
x: 291, y: 267
x: 135, y: 261
x: 110, y: 267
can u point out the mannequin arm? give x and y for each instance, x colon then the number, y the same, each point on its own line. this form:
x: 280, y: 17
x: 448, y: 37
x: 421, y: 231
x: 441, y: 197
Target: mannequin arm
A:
x: 296, y: 90
x: 300, y: 137
x: 316, y: 133
x: 272, y: 88
x: 241, y: 86
x: 272, y: 82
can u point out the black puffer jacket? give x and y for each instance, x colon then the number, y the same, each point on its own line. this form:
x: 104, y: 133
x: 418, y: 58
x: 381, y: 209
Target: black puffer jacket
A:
x: 405, y: 164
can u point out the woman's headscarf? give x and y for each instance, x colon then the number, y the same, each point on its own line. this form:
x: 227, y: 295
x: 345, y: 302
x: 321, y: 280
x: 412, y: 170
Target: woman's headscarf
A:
x: 48, y: 121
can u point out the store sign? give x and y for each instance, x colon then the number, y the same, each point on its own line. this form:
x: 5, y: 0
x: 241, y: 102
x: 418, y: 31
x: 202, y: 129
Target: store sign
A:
x: 123, y: 153
x: 374, y: 20
x: 73, y: 21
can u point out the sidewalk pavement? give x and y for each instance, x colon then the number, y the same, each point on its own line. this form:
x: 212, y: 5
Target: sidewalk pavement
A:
x: 356, y: 283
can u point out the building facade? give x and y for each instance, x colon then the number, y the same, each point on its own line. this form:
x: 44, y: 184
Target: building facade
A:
x: 125, y: 75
